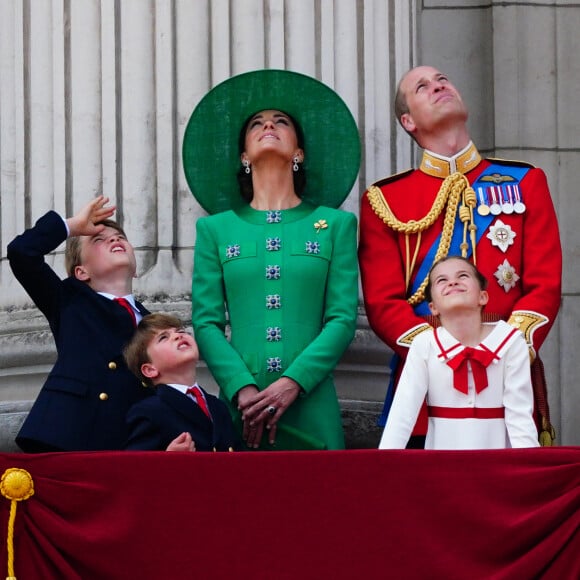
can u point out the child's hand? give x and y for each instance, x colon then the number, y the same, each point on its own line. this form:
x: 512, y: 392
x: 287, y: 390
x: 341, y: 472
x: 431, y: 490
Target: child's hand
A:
x: 83, y: 223
x: 182, y: 442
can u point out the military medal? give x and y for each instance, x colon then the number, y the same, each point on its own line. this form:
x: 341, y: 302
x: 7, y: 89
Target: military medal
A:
x: 501, y: 235
x: 506, y: 276
x: 502, y: 195
x: 495, y: 207
x: 507, y: 206
x: 482, y: 208
x: 519, y: 206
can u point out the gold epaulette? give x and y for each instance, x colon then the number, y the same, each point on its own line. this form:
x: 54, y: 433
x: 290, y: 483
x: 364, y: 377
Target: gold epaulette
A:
x: 527, y: 322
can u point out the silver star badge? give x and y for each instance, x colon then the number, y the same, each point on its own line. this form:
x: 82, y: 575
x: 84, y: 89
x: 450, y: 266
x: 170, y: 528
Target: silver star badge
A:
x: 506, y: 276
x: 501, y: 235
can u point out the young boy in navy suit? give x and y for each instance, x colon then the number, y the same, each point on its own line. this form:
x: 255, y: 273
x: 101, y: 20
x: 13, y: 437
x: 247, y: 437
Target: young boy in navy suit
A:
x: 83, y: 403
x: 182, y: 416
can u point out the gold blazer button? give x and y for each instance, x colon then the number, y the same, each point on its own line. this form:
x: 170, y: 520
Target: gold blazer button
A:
x: 103, y: 396
x: 112, y: 365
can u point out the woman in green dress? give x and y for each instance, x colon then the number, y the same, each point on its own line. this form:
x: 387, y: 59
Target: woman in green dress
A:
x: 275, y: 259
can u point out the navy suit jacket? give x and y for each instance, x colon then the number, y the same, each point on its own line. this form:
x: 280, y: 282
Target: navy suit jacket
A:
x: 82, y: 406
x: 156, y: 421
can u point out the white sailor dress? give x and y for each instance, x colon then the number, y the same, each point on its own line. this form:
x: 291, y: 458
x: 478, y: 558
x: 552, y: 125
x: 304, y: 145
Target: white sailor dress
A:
x: 470, y: 407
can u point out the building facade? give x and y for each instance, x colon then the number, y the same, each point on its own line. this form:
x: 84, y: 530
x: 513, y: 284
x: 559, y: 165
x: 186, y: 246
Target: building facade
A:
x: 95, y: 96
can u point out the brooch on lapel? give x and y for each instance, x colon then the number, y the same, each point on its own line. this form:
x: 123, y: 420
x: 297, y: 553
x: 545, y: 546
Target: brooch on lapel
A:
x: 233, y: 251
x: 313, y: 247
x: 320, y: 225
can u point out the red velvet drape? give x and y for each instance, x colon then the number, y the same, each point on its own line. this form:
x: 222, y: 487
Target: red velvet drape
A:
x: 512, y: 514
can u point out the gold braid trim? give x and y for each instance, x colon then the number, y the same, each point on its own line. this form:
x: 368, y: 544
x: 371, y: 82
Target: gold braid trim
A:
x: 407, y: 338
x: 527, y: 322
x: 454, y: 188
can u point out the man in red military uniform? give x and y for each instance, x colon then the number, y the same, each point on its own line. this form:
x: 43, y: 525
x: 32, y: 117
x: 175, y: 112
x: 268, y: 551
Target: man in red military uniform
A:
x: 498, y: 213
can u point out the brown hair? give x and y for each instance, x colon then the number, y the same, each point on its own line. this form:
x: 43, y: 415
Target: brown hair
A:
x: 478, y: 275
x: 73, y: 249
x: 135, y: 352
x: 401, y: 106
x: 245, y: 179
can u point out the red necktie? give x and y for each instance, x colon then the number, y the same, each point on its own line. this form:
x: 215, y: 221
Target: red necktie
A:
x: 480, y: 359
x: 125, y: 304
x: 200, y: 399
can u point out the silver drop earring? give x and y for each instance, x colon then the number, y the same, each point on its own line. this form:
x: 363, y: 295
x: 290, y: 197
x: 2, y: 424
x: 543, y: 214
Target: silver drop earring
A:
x: 295, y: 166
x: 246, y: 164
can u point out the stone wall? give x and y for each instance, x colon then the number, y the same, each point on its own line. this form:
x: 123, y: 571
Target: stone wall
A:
x: 94, y: 97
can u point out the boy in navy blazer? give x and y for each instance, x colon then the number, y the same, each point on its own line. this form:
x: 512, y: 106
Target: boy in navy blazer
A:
x: 83, y: 403
x: 182, y: 416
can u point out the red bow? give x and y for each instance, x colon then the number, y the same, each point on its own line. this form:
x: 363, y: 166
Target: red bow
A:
x: 479, y: 359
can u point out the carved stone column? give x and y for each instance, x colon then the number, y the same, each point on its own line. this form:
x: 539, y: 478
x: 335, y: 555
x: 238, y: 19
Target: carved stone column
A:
x: 94, y: 98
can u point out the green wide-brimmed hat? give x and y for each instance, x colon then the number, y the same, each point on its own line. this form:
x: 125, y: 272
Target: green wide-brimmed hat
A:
x: 211, y: 158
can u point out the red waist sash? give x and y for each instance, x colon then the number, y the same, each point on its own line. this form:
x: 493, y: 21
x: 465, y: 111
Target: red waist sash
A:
x: 467, y: 412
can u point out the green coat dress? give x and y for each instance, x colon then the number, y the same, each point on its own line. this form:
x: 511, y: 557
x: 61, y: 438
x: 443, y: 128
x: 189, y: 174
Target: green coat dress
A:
x: 289, y: 281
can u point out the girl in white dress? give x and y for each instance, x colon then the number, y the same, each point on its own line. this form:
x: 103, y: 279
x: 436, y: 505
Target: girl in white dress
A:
x: 475, y: 376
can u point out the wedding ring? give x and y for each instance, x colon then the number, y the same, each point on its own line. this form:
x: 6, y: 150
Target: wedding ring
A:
x: 271, y: 410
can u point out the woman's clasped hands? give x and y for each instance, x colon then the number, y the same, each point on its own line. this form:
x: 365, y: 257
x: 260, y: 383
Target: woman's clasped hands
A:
x: 263, y: 409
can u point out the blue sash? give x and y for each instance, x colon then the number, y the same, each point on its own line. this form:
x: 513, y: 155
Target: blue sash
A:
x: 422, y: 309
x: 482, y: 223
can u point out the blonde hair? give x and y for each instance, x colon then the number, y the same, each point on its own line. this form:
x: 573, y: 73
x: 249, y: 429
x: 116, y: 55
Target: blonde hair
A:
x: 73, y: 249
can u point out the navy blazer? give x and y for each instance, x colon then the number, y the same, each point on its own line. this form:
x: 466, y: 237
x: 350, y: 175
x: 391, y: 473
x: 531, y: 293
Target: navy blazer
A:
x: 156, y: 421
x: 82, y: 406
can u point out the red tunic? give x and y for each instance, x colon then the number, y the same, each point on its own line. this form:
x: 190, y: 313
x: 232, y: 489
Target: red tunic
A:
x: 535, y: 255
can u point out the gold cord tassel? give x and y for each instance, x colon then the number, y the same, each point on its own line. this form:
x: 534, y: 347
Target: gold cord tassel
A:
x: 455, y: 188
x: 466, y: 216
x: 16, y: 485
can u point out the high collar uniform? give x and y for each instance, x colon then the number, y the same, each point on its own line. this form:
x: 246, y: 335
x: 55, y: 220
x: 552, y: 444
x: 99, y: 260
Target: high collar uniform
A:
x: 518, y: 253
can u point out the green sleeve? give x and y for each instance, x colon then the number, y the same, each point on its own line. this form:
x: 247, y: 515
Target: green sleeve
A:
x: 321, y: 356
x: 209, y: 315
